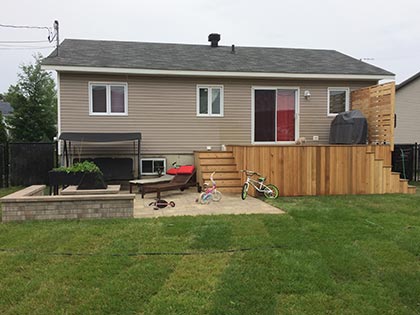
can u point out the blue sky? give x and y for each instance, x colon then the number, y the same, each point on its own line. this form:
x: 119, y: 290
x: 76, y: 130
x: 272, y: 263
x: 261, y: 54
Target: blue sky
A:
x: 387, y: 33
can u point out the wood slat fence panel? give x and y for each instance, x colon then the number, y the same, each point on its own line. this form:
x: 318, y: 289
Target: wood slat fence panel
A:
x: 377, y: 103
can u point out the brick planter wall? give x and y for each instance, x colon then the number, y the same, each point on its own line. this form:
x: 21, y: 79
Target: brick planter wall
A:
x: 30, y: 204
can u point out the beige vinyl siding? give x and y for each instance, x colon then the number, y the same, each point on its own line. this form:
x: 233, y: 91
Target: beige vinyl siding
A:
x: 407, y: 108
x: 314, y: 120
x: 163, y: 109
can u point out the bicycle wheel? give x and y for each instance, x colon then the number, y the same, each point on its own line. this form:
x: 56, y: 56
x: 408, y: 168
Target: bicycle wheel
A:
x: 271, y: 191
x: 244, y: 191
x: 204, y: 199
x: 217, y: 195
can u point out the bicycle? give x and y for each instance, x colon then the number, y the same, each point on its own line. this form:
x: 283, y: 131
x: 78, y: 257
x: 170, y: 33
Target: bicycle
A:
x: 270, y: 191
x: 209, y: 194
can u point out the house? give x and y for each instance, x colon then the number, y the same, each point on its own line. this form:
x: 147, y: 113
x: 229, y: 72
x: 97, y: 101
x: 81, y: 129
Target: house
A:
x: 185, y: 98
x: 407, y: 108
x: 5, y: 108
x: 189, y: 97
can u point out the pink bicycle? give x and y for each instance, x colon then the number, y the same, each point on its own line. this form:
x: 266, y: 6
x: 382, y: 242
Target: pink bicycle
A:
x: 210, y: 193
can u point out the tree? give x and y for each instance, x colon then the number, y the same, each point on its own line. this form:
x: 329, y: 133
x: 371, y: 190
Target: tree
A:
x: 34, y: 102
x: 3, y: 132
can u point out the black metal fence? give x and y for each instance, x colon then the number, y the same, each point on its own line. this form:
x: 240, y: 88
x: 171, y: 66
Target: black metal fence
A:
x: 24, y: 164
x: 406, y: 161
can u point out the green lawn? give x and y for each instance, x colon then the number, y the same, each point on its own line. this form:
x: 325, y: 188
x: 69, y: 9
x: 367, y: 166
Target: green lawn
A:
x: 8, y: 191
x: 327, y: 255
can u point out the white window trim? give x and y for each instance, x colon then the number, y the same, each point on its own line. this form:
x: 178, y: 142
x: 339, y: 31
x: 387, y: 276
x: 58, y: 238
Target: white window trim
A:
x: 108, y: 98
x: 297, y: 113
x: 338, y: 89
x: 209, y: 102
x: 152, y: 159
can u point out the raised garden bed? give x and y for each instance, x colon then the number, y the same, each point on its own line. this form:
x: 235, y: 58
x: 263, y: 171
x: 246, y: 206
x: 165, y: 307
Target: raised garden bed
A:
x: 31, y: 204
x: 85, y: 175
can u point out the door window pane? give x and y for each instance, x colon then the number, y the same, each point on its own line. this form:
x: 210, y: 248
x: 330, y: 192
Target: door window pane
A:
x: 265, y: 115
x: 99, y: 99
x: 204, y: 107
x: 286, y: 115
x: 117, y: 99
x: 215, y: 101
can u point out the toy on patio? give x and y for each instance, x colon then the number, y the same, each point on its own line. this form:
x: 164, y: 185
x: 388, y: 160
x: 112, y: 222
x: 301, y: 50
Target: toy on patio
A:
x: 210, y: 193
x: 160, y: 203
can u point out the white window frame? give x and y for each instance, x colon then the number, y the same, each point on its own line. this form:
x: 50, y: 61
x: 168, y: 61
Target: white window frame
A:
x: 338, y: 89
x: 108, y: 86
x: 209, y: 101
x: 152, y: 159
x: 297, y: 113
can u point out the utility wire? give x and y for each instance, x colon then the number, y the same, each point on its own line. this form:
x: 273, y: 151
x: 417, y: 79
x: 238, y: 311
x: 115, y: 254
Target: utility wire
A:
x: 22, y: 41
x: 27, y: 45
x: 28, y: 48
x: 26, y: 26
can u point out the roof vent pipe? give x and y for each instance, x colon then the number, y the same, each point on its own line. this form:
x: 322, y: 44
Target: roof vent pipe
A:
x: 214, y: 39
x: 233, y: 49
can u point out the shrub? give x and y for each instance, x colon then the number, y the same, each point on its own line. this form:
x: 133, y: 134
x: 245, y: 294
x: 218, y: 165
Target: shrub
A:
x: 80, y: 167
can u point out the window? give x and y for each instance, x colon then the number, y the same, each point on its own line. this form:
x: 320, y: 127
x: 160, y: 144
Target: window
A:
x: 338, y: 101
x: 151, y: 166
x: 210, y: 100
x: 108, y: 98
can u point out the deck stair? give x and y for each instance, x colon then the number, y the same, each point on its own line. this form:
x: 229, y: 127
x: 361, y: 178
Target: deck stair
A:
x: 385, y: 181
x: 223, y: 163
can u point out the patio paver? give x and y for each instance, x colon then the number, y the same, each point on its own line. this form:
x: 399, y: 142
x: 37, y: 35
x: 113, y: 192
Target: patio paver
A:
x: 185, y: 205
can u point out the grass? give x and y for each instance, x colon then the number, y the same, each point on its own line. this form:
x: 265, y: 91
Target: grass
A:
x: 327, y: 255
x: 8, y: 191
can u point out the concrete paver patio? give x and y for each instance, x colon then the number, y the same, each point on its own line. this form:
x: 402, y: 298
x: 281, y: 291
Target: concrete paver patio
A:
x: 185, y: 205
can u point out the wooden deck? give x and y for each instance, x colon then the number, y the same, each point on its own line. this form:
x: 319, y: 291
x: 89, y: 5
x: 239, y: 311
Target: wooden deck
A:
x: 306, y: 170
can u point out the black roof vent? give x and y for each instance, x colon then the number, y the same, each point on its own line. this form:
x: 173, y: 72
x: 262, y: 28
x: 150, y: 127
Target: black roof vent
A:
x: 214, y: 39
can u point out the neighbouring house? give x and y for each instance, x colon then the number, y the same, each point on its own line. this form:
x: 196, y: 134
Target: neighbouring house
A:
x: 407, y: 108
x: 5, y: 108
x: 183, y: 98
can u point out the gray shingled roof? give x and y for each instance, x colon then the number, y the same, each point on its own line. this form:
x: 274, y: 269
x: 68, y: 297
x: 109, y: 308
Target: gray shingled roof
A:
x: 408, y: 81
x: 138, y: 55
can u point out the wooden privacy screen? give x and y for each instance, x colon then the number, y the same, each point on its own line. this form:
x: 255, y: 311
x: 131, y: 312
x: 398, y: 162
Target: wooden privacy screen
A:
x: 322, y: 170
x: 377, y: 103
